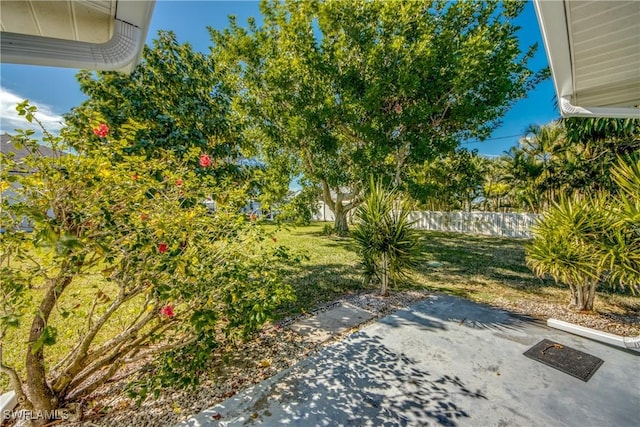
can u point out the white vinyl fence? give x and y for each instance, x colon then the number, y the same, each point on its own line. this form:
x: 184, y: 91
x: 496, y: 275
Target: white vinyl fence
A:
x: 482, y: 223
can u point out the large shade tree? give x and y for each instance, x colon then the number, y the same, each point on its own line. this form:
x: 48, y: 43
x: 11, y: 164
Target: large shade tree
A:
x: 343, y: 90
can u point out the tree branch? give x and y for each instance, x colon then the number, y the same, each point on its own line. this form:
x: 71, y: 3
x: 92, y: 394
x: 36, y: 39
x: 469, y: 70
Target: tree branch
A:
x: 16, y: 383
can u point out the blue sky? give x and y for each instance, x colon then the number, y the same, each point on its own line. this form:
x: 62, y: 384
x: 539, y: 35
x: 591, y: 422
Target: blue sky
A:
x: 55, y: 90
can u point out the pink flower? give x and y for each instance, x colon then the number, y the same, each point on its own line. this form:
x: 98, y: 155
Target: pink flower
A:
x: 162, y: 248
x: 102, y: 130
x: 179, y: 182
x: 205, y: 161
x: 167, y: 310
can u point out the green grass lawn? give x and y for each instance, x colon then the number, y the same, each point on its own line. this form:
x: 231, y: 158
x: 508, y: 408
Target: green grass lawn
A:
x: 484, y: 269
x: 69, y: 318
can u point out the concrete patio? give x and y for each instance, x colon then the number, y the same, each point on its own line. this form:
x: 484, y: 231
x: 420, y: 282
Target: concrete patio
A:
x: 445, y: 361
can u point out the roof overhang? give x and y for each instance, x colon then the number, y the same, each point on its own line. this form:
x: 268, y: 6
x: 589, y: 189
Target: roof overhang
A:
x: 593, y: 49
x: 88, y: 34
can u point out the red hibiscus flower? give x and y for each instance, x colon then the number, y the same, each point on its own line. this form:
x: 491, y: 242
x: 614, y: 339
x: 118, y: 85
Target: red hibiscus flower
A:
x: 205, y: 161
x: 102, y: 130
x: 179, y: 182
x: 167, y: 310
x: 134, y: 176
x: 162, y: 248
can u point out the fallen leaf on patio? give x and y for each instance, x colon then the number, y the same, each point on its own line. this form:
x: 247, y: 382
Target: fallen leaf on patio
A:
x: 265, y: 363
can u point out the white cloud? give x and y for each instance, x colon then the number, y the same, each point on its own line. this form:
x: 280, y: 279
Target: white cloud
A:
x: 10, y: 120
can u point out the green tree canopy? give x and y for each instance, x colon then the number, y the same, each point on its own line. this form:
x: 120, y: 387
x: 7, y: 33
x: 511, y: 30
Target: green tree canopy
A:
x: 174, y: 96
x: 569, y: 156
x: 450, y: 182
x: 347, y: 89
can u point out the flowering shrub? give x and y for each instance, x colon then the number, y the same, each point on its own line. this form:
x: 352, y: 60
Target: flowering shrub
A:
x: 205, y: 161
x: 102, y: 130
x: 162, y: 275
x: 167, y: 310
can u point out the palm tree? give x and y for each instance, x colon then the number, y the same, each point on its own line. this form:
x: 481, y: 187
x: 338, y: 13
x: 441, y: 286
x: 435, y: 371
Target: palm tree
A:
x: 386, y: 241
x: 542, y: 144
x: 583, y: 240
x: 622, y: 236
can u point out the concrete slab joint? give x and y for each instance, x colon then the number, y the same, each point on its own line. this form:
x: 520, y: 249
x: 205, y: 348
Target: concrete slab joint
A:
x: 326, y: 324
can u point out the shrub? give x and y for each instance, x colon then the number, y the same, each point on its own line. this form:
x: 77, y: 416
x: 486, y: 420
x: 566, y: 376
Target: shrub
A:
x: 162, y: 273
x: 387, y: 243
x: 301, y: 207
x: 566, y: 247
x: 584, y: 241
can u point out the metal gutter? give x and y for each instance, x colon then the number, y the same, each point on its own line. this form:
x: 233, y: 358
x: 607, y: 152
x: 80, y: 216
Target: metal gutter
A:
x: 553, y: 21
x: 8, y: 402
x: 569, y: 110
x: 121, y: 53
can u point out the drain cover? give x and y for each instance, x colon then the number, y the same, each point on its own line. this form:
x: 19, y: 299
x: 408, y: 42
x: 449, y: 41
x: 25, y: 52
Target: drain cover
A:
x: 566, y: 359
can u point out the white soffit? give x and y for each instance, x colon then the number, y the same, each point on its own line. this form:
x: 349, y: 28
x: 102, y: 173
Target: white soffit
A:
x: 594, y: 54
x: 91, y: 34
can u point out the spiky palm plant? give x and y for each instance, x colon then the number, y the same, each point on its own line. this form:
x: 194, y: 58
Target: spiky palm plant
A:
x: 622, y: 237
x: 387, y: 243
x: 567, y: 247
x: 583, y: 241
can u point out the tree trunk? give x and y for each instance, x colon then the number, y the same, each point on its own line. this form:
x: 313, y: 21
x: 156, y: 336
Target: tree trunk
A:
x: 340, y: 223
x: 339, y: 209
x: 384, y: 288
x: 582, y: 297
x: 38, y: 390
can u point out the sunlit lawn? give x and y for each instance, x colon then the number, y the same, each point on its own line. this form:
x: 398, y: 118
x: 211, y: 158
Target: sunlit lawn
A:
x: 69, y: 318
x: 485, y: 269
x: 480, y: 268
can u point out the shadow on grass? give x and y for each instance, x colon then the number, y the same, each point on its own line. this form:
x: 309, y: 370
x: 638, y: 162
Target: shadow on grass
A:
x: 316, y: 284
x: 493, y: 258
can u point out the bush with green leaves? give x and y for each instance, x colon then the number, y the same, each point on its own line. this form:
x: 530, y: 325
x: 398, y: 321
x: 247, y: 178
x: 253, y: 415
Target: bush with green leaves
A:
x: 585, y: 241
x: 301, y: 207
x: 122, y: 262
x: 622, y: 239
x: 387, y: 242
